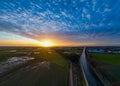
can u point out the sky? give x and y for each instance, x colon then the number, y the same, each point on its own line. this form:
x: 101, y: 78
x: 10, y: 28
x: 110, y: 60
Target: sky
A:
x: 65, y: 22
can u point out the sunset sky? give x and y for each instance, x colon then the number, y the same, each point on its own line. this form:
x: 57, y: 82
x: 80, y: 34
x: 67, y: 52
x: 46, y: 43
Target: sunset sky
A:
x: 63, y: 22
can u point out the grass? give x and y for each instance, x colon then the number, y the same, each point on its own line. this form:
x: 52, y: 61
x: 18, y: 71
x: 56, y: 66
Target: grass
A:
x: 113, y: 59
x: 5, y: 55
x: 37, y: 74
x: 54, y: 57
x: 74, y: 51
x: 111, y: 62
x: 47, y: 54
x: 115, y: 71
x: 78, y: 77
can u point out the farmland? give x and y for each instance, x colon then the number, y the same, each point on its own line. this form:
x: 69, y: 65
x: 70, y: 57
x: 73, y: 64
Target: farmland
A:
x: 109, y: 63
x: 32, y: 67
x: 113, y: 59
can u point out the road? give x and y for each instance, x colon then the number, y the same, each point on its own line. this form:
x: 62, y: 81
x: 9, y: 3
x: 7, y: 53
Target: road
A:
x: 70, y: 75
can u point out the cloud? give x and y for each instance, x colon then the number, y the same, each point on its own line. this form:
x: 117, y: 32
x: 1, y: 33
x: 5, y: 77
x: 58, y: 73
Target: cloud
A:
x: 88, y: 16
x: 90, y: 21
x: 107, y: 10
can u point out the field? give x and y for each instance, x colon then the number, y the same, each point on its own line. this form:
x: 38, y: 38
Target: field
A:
x: 113, y: 59
x: 52, y: 56
x: 36, y: 74
x: 111, y: 62
x: 48, y: 68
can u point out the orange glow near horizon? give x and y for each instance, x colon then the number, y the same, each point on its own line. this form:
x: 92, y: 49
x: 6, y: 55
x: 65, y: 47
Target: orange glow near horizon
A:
x: 46, y: 43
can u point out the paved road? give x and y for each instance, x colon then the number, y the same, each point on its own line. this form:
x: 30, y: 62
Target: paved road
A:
x: 70, y: 75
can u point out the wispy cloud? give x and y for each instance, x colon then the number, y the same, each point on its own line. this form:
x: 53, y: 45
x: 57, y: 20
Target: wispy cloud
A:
x: 94, y: 20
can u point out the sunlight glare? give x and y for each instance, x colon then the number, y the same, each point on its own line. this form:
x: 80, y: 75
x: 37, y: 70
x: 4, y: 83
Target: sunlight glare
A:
x: 46, y: 44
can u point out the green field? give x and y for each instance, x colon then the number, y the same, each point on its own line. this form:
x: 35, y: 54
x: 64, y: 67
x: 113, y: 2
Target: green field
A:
x: 113, y: 59
x: 46, y: 54
x: 48, y: 69
x: 53, y: 56
x: 6, y: 55
x: 39, y: 73
x: 111, y: 62
x: 74, y: 51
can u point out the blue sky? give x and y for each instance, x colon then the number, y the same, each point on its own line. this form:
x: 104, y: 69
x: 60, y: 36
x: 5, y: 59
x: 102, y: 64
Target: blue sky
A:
x: 96, y: 22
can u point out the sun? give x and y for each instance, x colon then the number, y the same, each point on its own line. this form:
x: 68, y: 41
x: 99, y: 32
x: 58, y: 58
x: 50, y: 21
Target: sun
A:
x: 46, y: 44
